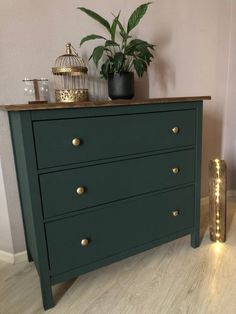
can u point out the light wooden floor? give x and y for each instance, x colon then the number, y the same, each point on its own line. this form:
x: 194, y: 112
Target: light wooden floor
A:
x: 170, y: 279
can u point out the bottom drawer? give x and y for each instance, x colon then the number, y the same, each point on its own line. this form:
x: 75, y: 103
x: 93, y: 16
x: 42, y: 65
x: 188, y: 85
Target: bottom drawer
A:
x: 117, y: 227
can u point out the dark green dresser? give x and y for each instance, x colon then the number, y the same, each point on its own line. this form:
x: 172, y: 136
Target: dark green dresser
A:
x: 100, y: 181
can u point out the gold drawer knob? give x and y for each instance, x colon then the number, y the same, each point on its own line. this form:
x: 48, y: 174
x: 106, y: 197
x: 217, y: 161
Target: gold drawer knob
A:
x: 84, y: 242
x: 76, y: 141
x: 175, y: 130
x: 80, y: 190
x: 175, y: 170
x: 175, y: 213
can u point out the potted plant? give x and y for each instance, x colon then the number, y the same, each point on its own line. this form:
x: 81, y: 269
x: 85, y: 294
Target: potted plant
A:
x: 119, y: 59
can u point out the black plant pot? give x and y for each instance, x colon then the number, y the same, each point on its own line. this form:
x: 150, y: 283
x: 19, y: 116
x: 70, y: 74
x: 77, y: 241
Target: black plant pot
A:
x: 121, y: 85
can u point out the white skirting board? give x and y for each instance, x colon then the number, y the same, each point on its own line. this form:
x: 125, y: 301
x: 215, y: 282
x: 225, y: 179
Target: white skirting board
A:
x: 22, y: 256
x: 13, y: 258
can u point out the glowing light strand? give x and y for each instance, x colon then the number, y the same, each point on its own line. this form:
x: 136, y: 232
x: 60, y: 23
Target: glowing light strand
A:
x: 217, y: 204
x: 217, y: 199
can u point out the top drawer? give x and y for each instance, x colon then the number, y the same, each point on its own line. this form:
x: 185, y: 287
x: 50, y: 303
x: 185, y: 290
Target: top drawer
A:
x: 111, y: 136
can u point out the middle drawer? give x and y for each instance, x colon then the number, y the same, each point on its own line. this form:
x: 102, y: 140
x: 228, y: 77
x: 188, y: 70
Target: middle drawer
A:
x: 80, y: 188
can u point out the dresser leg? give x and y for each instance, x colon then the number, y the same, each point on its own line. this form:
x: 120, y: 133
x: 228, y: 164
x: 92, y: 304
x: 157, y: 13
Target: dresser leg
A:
x: 195, y: 239
x: 47, y: 295
x: 30, y: 258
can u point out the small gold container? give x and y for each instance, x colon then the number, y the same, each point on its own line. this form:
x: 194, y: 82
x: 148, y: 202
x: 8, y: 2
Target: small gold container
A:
x: 70, y: 77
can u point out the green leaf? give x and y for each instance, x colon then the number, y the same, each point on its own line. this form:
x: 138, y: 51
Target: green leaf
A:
x: 106, y: 69
x: 91, y: 37
x: 97, y: 54
x: 140, y: 47
x: 119, y: 60
x: 123, y: 33
x: 96, y: 17
x: 111, y: 43
x: 135, y: 42
x: 136, y: 16
x: 144, y: 54
x: 140, y: 66
x: 132, y: 46
x: 114, y: 26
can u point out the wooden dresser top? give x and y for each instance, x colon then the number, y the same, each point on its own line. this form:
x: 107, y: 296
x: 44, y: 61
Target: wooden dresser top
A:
x: 100, y: 103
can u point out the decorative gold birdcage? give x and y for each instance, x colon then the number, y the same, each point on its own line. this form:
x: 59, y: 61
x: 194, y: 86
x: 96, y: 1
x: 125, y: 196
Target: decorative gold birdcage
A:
x: 70, y: 77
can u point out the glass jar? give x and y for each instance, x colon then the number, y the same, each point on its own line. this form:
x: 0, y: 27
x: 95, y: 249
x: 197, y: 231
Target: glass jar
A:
x: 36, y: 90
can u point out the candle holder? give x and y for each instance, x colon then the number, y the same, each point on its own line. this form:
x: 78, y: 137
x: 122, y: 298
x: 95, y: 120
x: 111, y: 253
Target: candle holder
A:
x: 36, y: 90
x: 217, y: 200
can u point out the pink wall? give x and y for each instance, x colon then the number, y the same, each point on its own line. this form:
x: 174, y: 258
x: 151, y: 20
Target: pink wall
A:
x: 6, y: 243
x: 192, y: 58
x: 229, y: 140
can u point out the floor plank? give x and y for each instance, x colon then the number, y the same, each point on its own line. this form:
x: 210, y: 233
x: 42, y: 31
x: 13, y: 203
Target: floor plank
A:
x: 170, y: 279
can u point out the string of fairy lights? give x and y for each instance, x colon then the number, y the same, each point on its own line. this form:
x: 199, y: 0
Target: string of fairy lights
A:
x: 217, y: 199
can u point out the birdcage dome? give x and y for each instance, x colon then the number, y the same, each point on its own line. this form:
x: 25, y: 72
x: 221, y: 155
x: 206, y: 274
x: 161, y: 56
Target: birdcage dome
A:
x: 69, y: 63
x: 70, y: 73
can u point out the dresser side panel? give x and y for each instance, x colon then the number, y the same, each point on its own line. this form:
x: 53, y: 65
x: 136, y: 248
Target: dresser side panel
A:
x: 199, y: 154
x: 195, y: 237
x: 25, y: 159
x: 23, y: 183
x: 23, y: 141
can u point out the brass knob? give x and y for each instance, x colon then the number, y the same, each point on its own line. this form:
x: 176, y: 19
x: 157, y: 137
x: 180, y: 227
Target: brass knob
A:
x: 175, y: 213
x: 84, y: 242
x: 80, y: 190
x: 175, y: 170
x: 76, y: 141
x: 175, y: 130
